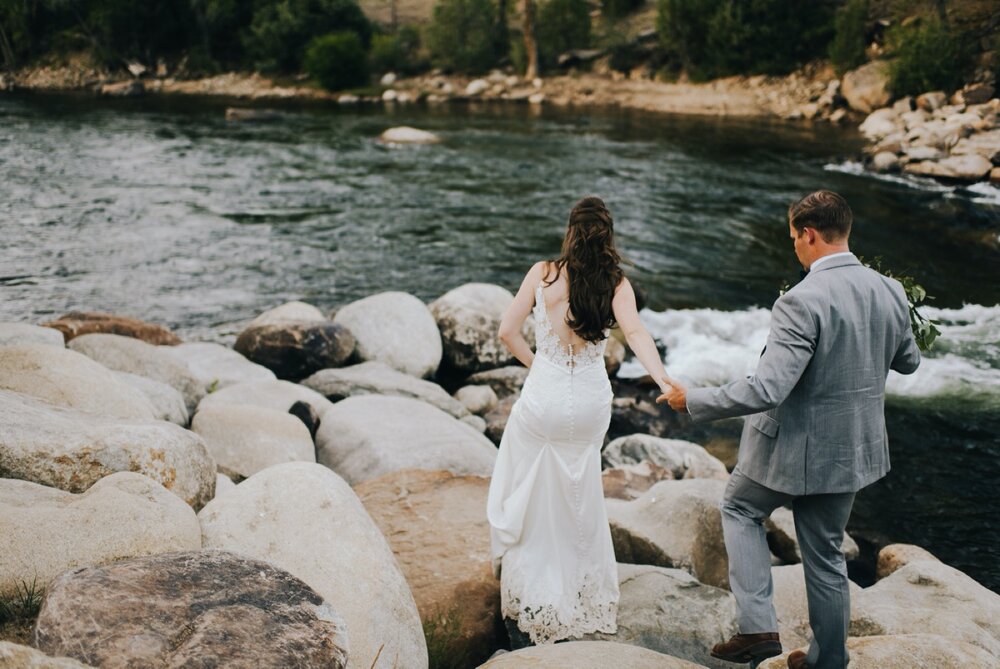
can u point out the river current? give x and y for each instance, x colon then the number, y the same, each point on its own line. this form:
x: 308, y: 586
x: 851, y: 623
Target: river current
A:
x: 163, y: 210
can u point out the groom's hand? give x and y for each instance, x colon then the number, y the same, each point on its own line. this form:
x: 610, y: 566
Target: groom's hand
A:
x: 675, y: 395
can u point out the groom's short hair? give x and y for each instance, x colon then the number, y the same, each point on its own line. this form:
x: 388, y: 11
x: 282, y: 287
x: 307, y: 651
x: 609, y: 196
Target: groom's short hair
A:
x: 824, y: 211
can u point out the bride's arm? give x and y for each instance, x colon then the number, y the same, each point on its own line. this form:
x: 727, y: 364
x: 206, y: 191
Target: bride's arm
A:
x: 517, y: 313
x: 636, y: 335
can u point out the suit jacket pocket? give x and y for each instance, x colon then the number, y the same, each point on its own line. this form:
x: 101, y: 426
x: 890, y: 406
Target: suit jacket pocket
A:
x: 765, y: 425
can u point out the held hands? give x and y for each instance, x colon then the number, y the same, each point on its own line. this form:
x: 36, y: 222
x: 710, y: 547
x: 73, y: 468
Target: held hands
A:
x: 673, y: 393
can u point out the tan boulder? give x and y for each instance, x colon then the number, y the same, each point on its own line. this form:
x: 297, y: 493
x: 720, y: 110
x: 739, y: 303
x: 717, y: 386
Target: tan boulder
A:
x: 867, y: 87
x: 436, y: 526
x: 48, y: 531
x: 587, y: 655
x: 289, y: 312
x: 630, y: 481
x: 896, y: 556
x: 16, y: 656
x: 78, y: 323
x: 907, y: 651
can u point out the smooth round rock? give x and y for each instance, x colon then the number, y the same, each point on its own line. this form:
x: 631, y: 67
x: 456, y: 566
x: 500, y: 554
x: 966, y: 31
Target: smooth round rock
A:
x: 674, y: 524
x: 289, y: 312
x: 47, y: 531
x: 78, y: 323
x: 505, y: 381
x: 894, y: 557
x: 125, y: 354
x: 294, y: 350
x: 684, y: 459
x: 305, y: 519
x: 396, y: 329
x: 587, y: 655
x: 217, y: 366
x: 18, y: 334
x: 469, y: 318
x: 267, y: 394
x: 906, y: 651
x: 477, y: 399
x: 69, y: 379
x: 376, y: 378
x: 16, y: 656
x: 72, y: 450
x: 190, y: 609
x: 246, y: 439
x: 435, y: 524
x: 408, y: 135
x: 167, y: 402
x: 669, y: 611
x: 365, y: 437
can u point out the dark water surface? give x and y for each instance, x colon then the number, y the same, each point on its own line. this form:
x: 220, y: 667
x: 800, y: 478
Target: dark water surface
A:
x: 161, y: 209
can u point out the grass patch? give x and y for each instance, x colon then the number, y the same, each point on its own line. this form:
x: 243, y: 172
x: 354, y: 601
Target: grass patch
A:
x: 443, y: 632
x: 18, y: 612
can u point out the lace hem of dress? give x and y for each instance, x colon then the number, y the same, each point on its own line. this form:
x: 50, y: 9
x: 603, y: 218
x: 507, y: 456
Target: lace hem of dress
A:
x: 548, y: 344
x: 595, y: 610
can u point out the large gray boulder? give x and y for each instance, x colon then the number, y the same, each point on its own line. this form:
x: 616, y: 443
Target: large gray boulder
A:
x: 69, y: 379
x: 217, y: 366
x: 587, y: 655
x: 396, y: 329
x: 669, y: 611
x: 72, y: 450
x: 907, y: 651
x: 18, y: 334
x: 294, y: 350
x: 376, y: 378
x: 364, y: 437
x: 791, y: 606
x: 246, y: 439
x: 684, y: 459
x: 190, y: 609
x: 505, y: 381
x: 16, y: 656
x: 971, y: 167
x: 867, y: 87
x: 47, y: 531
x: 167, y: 402
x: 268, y: 394
x: 674, y: 524
x: 469, y: 318
x: 928, y: 597
x: 125, y: 354
x: 305, y: 519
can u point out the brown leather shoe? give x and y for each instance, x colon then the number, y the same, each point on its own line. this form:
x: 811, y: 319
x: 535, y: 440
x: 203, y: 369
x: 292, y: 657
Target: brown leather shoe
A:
x: 797, y: 660
x: 743, y: 648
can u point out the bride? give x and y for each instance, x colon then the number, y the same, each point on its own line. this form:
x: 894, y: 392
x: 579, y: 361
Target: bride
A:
x: 550, y: 539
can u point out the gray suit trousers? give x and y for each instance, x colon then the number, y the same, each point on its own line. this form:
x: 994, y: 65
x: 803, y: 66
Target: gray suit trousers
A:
x: 820, y: 521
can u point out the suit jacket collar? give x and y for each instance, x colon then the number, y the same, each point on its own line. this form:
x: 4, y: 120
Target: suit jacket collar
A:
x: 833, y: 263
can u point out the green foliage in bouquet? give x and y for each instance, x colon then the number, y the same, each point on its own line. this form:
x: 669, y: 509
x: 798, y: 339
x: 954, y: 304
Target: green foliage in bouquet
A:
x: 925, y: 330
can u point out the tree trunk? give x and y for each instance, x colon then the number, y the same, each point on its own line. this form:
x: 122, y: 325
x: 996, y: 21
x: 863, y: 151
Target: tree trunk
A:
x: 530, y: 45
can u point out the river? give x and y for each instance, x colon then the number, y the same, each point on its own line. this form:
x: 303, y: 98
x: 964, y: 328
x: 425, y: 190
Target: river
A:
x: 161, y: 209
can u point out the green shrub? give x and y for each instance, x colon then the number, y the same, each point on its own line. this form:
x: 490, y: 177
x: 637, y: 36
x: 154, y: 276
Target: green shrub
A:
x: 561, y: 25
x: 281, y: 30
x: 337, y: 61
x: 461, y: 36
x: 928, y: 57
x: 398, y: 53
x: 624, y: 56
x: 618, y: 8
x: 850, y: 27
x: 714, y: 38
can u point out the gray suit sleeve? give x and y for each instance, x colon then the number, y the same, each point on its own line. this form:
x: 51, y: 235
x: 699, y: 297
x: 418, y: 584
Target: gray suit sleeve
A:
x: 907, y: 357
x: 790, y: 347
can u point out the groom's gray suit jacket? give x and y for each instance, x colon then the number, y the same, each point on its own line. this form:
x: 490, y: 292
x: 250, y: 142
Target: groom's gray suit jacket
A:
x: 820, y: 383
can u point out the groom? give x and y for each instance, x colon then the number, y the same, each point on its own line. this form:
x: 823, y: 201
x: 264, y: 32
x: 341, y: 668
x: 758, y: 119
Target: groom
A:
x: 820, y: 384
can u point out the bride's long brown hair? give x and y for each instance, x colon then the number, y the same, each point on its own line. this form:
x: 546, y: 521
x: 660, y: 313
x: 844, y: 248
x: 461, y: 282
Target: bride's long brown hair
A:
x: 592, y: 268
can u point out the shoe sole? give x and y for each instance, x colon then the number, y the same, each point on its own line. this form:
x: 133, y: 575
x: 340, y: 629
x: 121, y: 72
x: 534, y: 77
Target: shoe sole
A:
x: 756, y: 652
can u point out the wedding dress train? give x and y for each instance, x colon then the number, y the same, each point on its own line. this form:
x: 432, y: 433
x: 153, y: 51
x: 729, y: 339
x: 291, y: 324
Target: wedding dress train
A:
x: 549, y: 528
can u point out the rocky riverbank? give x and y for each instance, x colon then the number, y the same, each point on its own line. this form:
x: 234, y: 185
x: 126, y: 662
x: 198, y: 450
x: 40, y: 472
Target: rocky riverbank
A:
x: 315, y: 496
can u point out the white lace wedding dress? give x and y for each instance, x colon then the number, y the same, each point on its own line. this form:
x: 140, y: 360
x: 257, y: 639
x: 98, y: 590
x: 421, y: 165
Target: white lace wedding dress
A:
x: 549, y: 528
